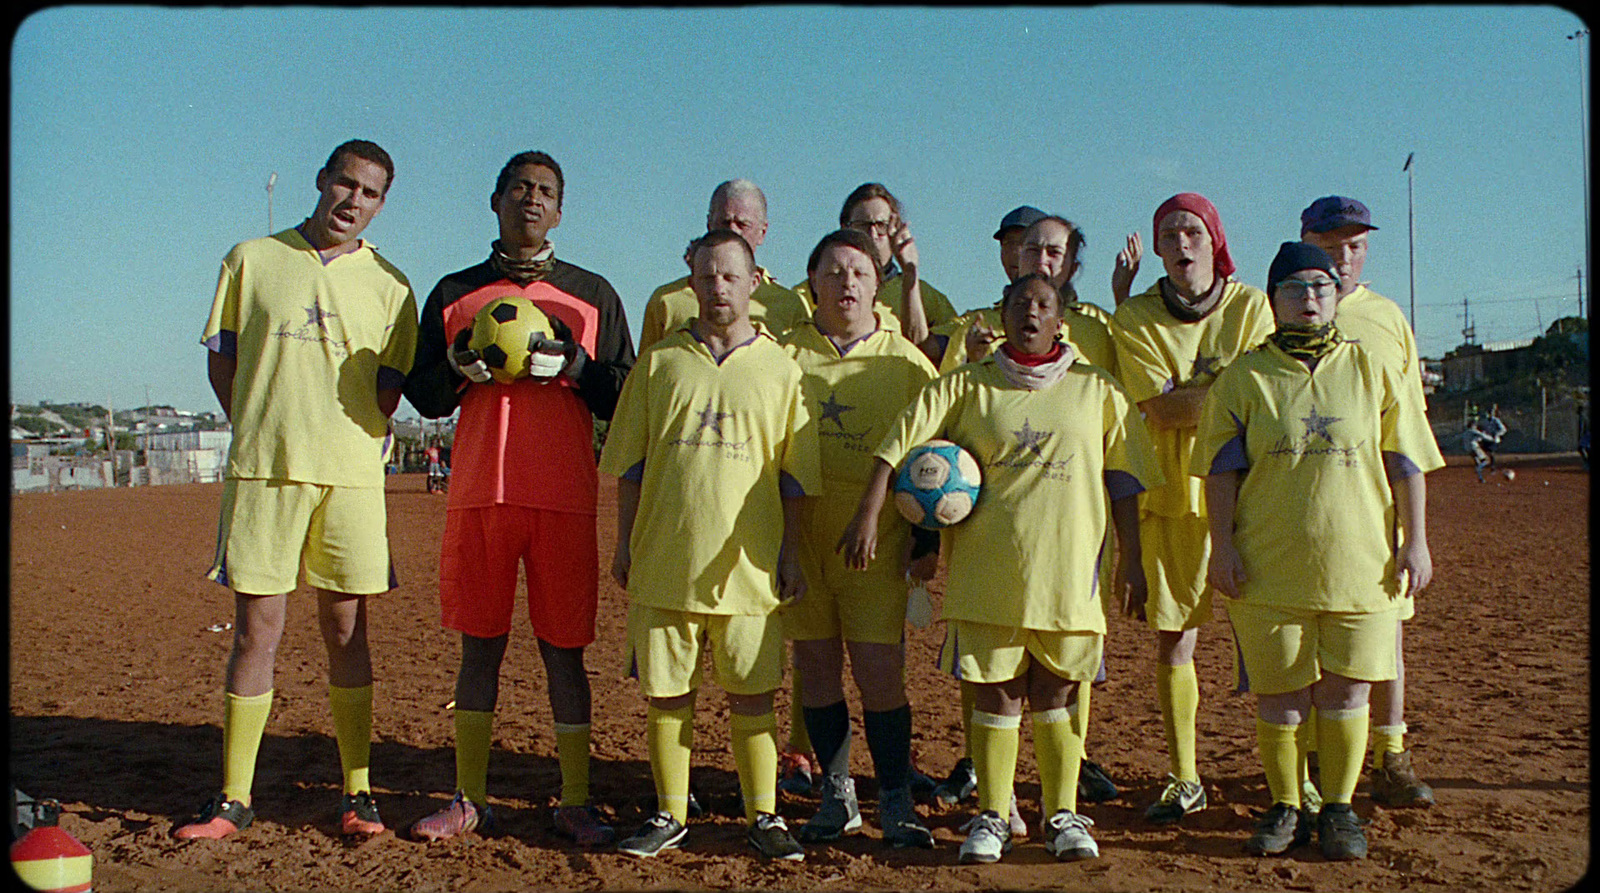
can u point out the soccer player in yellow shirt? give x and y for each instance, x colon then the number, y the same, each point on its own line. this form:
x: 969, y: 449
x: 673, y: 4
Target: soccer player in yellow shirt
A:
x: 858, y: 376
x: 1312, y: 451
x: 714, y: 451
x: 1172, y: 340
x: 1060, y: 446
x: 741, y: 206
x: 1339, y: 226
x: 310, y: 337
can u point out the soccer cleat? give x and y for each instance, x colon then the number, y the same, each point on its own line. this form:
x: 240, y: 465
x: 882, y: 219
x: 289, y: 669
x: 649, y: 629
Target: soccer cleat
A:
x: 960, y: 784
x: 1019, y: 828
x: 1339, y: 833
x: 1278, y: 829
x: 922, y: 787
x: 839, y: 814
x: 897, y: 816
x: 584, y: 825
x: 1310, y: 797
x: 795, y: 775
x: 358, y: 815
x: 659, y: 832
x: 1066, y: 836
x: 1397, y: 784
x: 988, y: 839
x: 460, y: 817
x: 218, y: 818
x: 770, y: 836
x: 1094, y: 785
x: 1178, y: 799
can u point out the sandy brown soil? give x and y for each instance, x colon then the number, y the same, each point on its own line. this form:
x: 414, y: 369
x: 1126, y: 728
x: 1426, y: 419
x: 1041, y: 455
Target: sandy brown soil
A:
x: 116, y: 696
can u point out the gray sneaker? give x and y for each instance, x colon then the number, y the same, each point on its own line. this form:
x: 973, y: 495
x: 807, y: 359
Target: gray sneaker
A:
x: 770, y: 836
x: 1066, y: 836
x: 839, y: 813
x: 1339, y: 833
x: 897, y: 815
x: 988, y: 839
x: 659, y: 832
x: 1178, y: 799
x: 1279, y: 829
x: 1019, y: 828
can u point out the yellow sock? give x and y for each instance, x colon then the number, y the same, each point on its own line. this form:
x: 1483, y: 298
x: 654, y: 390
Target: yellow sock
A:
x: 994, y: 741
x: 473, y: 729
x: 1178, y: 691
x: 244, y: 719
x: 352, y: 728
x: 1341, y: 740
x: 799, y: 736
x: 1058, y: 749
x: 669, y: 738
x: 572, y: 750
x: 1387, y: 740
x: 1305, y: 743
x: 1280, y: 757
x: 755, y: 752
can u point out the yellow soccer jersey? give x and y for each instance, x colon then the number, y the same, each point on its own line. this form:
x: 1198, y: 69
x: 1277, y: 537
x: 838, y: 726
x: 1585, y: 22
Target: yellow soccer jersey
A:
x: 1380, y: 327
x: 673, y: 304
x: 890, y: 301
x: 1315, y: 517
x: 1086, y: 327
x: 1157, y: 353
x: 314, y: 343
x: 1029, y: 554
x: 713, y: 440
x: 855, y: 397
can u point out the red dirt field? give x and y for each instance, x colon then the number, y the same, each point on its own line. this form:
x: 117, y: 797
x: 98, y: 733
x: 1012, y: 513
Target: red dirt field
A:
x: 116, y: 699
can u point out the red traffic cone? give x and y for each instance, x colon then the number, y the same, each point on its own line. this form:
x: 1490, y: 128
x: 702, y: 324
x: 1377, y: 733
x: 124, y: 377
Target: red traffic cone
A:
x: 49, y: 859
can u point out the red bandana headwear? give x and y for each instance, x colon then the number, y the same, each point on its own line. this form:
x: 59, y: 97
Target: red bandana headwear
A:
x: 1201, y: 207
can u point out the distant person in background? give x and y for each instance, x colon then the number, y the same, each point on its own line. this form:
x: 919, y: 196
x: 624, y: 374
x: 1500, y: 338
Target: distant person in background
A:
x: 964, y: 341
x: 310, y: 337
x: 1477, y: 441
x: 524, y: 503
x: 1494, y: 430
x: 741, y: 206
x: 1339, y: 226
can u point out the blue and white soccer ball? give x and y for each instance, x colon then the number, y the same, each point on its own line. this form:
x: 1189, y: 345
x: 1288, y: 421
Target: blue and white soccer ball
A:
x: 938, y: 484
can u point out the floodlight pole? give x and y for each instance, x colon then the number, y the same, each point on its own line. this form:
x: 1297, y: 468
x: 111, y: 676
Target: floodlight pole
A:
x: 1411, y: 240
x: 1580, y: 36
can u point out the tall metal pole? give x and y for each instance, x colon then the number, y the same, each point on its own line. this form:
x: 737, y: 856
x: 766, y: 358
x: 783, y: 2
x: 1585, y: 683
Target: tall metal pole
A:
x: 271, y: 179
x: 1583, y: 112
x: 1411, y: 240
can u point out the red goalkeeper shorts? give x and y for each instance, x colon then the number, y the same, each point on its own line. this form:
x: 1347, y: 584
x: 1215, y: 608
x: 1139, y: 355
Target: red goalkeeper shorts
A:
x: 478, y: 572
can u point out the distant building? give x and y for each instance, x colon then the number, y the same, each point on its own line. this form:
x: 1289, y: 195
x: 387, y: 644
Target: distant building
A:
x: 1471, y: 364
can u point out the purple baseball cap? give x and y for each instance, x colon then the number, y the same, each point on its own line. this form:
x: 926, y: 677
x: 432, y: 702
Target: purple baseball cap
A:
x: 1333, y: 211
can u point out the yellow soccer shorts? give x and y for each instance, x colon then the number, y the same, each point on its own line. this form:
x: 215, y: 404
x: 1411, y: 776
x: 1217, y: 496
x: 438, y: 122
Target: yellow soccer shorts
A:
x: 666, y: 649
x: 989, y: 654
x: 841, y: 603
x: 1287, y: 649
x: 1175, y: 551
x: 269, y: 527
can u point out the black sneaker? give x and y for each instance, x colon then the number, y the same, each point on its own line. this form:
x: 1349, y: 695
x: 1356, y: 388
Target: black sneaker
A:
x: 1094, y: 785
x: 922, y: 787
x: 1178, y: 799
x: 959, y: 785
x: 770, y: 836
x: 1279, y: 829
x: 1339, y: 833
x: 218, y: 818
x: 659, y: 832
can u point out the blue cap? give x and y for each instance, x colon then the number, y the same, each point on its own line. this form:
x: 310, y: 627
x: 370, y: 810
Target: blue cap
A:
x: 1295, y: 256
x: 1333, y: 211
x: 1024, y: 216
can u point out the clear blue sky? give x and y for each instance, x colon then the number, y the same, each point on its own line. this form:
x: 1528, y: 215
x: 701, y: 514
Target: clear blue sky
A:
x: 142, y: 139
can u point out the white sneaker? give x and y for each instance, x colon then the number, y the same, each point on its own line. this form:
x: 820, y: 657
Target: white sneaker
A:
x: 988, y: 840
x: 1066, y: 836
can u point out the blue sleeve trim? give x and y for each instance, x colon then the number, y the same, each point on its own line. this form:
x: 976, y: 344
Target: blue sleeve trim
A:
x: 1121, y: 485
x: 1398, y: 466
x: 788, y: 487
x: 223, y: 342
x: 635, y: 472
x: 389, y: 378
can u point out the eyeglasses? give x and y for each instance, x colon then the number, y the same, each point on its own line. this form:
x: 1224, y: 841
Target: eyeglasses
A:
x: 1318, y: 288
x: 872, y: 226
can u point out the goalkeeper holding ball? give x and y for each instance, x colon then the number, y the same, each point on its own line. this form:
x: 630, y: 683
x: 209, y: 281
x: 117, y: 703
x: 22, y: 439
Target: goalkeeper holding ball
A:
x: 1060, y: 444
x: 523, y: 486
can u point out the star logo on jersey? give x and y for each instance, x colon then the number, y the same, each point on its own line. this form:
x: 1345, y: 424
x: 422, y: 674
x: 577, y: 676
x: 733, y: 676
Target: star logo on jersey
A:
x: 1203, y: 365
x: 1318, y: 424
x: 832, y: 409
x: 710, y: 418
x: 315, y: 316
x: 1031, y: 440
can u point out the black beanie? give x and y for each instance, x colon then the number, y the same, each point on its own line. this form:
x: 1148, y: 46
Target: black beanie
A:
x: 1295, y: 256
